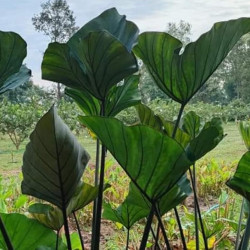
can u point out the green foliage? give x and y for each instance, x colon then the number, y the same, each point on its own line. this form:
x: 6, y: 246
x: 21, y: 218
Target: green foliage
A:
x: 18, y: 225
x: 245, y: 133
x: 53, y: 162
x: 101, y: 61
x: 180, y: 76
x: 13, y: 51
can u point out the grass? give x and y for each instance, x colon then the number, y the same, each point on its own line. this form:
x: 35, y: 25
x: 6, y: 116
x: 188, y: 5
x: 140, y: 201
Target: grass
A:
x: 229, y: 150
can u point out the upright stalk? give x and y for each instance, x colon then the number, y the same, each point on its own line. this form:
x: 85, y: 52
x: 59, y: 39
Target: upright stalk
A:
x: 239, y: 225
x: 97, y: 226
x: 5, y: 235
x: 246, y: 236
x: 79, y: 230
x: 127, y: 242
x: 162, y: 228
x: 97, y: 163
x: 199, y: 212
x: 195, y: 211
x: 147, y: 229
x: 175, y: 209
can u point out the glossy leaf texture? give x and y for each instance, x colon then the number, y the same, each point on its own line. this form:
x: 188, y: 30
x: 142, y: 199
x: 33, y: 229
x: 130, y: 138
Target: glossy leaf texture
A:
x: 27, y: 233
x: 180, y: 74
x: 153, y: 161
x: 98, y: 63
x: 171, y: 199
x: 12, y: 53
x: 53, y: 162
x: 110, y: 20
x: 119, y: 97
x: 244, y: 127
x: 126, y: 214
x: 240, y: 182
x: 147, y: 117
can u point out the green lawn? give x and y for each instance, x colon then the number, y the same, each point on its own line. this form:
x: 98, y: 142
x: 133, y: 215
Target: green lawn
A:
x: 229, y: 150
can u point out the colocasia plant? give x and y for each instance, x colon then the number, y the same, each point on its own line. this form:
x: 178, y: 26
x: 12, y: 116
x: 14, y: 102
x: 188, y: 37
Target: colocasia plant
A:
x: 98, y: 65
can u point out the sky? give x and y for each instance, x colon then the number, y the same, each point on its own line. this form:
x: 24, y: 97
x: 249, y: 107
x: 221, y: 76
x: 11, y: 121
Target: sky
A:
x: 149, y: 15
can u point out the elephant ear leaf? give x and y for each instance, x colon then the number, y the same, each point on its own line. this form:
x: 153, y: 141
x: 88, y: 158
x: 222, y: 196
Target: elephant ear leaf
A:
x: 84, y: 194
x: 12, y: 51
x: 87, y: 103
x: 114, y: 23
x: 53, y: 162
x: 96, y: 64
x: 147, y: 117
x: 127, y: 213
x: 245, y: 133
x: 180, y: 191
x: 191, y: 124
x: 27, y: 233
x: 47, y: 215
x: 123, y: 96
x: 16, y: 79
x: 181, y: 74
x: 241, y: 179
x: 209, y: 137
x: 155, y: 169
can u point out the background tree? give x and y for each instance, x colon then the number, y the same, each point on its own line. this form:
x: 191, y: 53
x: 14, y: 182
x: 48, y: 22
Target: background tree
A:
x: 149, y: 90
x: 232, y: 78
x: 28, y: 93
x: 56, y: 21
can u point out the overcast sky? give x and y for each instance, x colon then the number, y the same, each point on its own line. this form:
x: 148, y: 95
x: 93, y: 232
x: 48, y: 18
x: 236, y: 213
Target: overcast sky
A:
x: 149, y: 15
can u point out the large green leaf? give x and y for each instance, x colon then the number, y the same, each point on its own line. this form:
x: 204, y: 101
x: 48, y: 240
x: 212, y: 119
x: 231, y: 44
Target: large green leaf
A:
x: 240, y: 182
x: 87, y: 103
x: 119, y: 97
x: 147, y: 117
x: 114, y: 23
x: 96, y: 63
x: 208, y: 138
x: 12, y: 53
x: 53, y: 162
x: 84, y: 194
x: 127, y: 213
x: 52, y: 217
x: 191, y: 124
x: 245, y: 133
x: 16, y: 79
x: 123, y: 95
x: 171, y: 199
x: 27, y: 233
x: 181, y: 74
x: 48, y: 215
x: 153, y: 161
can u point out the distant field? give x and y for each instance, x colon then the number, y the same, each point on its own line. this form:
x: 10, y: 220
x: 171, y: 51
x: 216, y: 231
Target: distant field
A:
x: 230, y: 149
